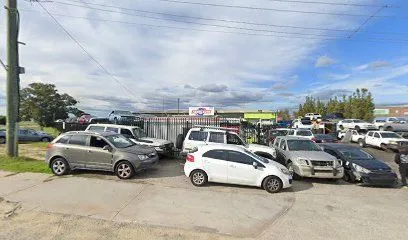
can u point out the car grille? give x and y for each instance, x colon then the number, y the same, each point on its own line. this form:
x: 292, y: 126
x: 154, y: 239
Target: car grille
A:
x: 322, y: 163
x: 168, y: 146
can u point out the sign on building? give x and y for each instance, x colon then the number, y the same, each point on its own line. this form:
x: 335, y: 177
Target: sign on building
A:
x: 381, y: 111
x: 201, y: 111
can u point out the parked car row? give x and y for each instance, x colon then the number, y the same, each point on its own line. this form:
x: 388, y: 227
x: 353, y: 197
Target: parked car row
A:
x: 28, y: 135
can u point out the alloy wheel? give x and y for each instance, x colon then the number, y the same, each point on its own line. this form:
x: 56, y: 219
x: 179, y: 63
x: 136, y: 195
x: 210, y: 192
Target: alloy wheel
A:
x: 273, y: 184
x: 124, y: 170
x: 59, y: 167
x: 198, y: 178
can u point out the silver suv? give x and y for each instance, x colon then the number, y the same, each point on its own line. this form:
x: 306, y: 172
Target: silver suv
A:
x: 98, y: 151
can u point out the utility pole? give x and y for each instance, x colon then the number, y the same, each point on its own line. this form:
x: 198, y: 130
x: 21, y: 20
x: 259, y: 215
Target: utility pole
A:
x: 13, y: 72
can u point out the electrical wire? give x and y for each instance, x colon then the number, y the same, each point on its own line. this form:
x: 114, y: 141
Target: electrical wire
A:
x: 220, y: 31
x: 223, y: 26
x: 330, y: 3
x: 86, y: 51
x: 274, y: 9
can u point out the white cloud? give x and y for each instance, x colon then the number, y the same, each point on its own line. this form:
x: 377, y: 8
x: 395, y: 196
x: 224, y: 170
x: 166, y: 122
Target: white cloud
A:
x: 324, y: 61
x: 373, y: 65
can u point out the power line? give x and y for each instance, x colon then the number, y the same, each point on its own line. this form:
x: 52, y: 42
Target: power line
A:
x: 328, y: 3
x: 220, y: 31
x: 211, y: 19
x: 85, y: 51
x: 273, y: 9
x: 212, y: 25
x: 366, y: 21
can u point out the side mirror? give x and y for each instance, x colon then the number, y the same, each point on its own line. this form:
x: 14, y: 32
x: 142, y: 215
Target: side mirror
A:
x: 107, y: 148
x: 255, y: 164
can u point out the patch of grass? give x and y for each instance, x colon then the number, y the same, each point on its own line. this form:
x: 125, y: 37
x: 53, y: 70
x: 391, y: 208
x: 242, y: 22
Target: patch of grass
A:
x: 23, y: 164
x: 50, y: 130
x: 37, y: 144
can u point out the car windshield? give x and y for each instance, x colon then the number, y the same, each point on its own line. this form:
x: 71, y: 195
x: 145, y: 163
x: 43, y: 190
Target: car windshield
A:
x: 139, y: 133
x: 119, y: 141
x: 123, y: 112
x: 302, y: 145
x: 264, y: 160
x: 359, y: 121
x: 355, y: 153
x: 390, y: 135
x: 304, y: 133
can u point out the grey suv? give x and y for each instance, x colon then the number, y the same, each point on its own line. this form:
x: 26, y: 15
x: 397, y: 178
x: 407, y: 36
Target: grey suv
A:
x: 98, y: 151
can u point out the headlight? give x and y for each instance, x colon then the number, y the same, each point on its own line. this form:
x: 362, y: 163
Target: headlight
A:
x: 393, y: 142
x: 285, y: 171
x: 360, y: 169
x: 142, y: 157
x: 302, y: 161
x: 338, y: 163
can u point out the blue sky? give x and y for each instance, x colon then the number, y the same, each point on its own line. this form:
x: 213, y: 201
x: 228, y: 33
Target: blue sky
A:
x: 156, y: 65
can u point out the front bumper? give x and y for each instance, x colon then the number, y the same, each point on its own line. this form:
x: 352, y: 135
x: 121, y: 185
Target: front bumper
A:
x: 165, y: 150
x: 148, y: 163
x: 319, y: 172
x: 377, y: 178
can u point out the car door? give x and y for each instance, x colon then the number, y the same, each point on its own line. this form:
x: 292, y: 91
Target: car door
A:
x: 215, y: 165
x: 377, y: 139
x: 23, y: 135
x: 97, y: 158
x: 32, y: 136
x: 76, y: 150
x: 369, y: 138
x: 241, y: 170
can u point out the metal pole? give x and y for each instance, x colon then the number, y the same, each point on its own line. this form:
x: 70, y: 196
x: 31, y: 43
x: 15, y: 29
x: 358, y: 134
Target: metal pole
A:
x: 178, y: 106
x: 12, y: 87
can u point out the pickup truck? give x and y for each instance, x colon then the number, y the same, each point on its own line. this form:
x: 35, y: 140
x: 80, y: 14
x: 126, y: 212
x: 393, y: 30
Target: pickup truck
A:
x: 352, y: 136
x: 385, y: 140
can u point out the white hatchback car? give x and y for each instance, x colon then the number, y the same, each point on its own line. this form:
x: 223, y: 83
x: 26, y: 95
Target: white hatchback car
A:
x: 235, y: 165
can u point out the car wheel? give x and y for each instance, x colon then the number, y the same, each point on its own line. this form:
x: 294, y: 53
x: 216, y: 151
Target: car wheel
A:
x: 2, y: 140
x: 198, y: 178
x: 59, y: 166
x: 45, y: 139
x: 179, y: 141
x: 124, y: 170
x: 361, y: 143
x: 272, y: 184
x: 289, y: 165
x: 357, y: 128
x: 341, y: 127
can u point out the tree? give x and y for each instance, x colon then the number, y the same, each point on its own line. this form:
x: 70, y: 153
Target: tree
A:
x: 44, y: 104
x: 284, y: 114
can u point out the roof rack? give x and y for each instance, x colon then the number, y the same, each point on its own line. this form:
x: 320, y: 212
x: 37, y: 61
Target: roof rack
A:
x: 219, y: 128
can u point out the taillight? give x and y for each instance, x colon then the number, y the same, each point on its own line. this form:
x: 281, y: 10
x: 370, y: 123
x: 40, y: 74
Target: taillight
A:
x: 50, y: 145
x: 190, y: 158
x: 313, y: 139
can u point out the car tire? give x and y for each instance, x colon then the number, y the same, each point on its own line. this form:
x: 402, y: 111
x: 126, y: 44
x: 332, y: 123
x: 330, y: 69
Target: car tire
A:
x: 272, y: 184
x: 2, y: 140
x: 295, y: 176
x: 179, y: 141
x: 45, y: 139
x: 198, y: 178
x: 59, y: 166
x: 357, y: 128
x: 361, y: 143
x: 383, y: 147
x: 124, y: 170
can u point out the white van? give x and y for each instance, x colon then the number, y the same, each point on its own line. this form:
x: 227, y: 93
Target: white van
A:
x: 136, y: 135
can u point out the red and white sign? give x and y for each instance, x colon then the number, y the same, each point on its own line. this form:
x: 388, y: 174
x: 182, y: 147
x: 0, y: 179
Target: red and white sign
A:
x: 201, y: 111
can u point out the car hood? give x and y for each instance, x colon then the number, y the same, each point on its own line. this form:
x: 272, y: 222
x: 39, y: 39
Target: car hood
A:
x: 156, y: 141
x: 311, y: 155
x: 138, y: 149
x: 275, y: 164
x: 373, y: 164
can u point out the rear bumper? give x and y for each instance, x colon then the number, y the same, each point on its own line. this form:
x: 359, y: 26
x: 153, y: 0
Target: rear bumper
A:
x: 319, y: 172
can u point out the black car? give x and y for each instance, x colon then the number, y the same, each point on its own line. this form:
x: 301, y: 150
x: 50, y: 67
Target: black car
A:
x: 324, y: 138
x: 360, y: 166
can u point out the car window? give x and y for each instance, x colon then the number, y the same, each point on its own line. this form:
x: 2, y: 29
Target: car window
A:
x: 282, y: 144
x: 112, y: 129
x: 78, y: 140
x: 198, y: 136
x: 376, y: 135
x: 390, y: 135
x: 96, y: 128
x: 23, y: 132
x: 356, y: 153
x: 64, y: 139
x: 304, y: 133
x: 216, y: 154
x: 238, y: 157
x: 234, y: 139
x: 302, y: 145
x: 139, y: 133
x: 97, y: 142
x: 216, y: 137
x: 126, y: 132
x: 370, y: 134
